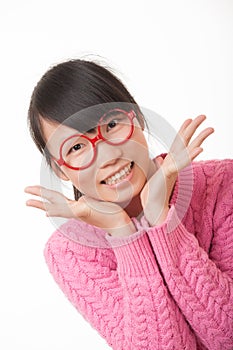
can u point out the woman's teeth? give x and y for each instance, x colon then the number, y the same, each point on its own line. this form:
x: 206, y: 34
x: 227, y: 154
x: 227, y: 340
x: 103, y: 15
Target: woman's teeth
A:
x: 121, y: 175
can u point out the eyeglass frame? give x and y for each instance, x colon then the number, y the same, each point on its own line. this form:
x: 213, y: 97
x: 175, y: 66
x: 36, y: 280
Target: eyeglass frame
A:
x: 131, y: 115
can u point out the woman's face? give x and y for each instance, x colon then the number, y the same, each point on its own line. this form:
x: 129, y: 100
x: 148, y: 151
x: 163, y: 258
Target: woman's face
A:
x: 118, y: 172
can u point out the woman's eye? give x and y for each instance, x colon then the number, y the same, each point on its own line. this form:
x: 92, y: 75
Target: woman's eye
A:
x: 112, y: 123
x: 76, y: 148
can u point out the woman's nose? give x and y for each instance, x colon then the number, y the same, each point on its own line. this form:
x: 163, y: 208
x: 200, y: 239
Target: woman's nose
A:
x: 107, y: 154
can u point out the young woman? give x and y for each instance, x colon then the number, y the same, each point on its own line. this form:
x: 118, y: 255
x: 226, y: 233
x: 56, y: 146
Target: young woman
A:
x: 160, y: 280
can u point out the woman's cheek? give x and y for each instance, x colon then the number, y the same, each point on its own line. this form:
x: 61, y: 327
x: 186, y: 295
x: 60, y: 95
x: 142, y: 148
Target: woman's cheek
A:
x: 86, y: 183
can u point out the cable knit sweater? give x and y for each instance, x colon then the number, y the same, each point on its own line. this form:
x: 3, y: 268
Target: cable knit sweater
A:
x: 159, y: 288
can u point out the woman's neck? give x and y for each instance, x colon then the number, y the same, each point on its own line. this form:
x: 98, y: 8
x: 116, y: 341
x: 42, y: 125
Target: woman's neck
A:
x: 134, y: 208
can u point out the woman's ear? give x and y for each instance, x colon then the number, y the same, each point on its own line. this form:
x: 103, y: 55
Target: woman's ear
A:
x: 58, y: 171
x: 140, y: 118
x: 141, y: 121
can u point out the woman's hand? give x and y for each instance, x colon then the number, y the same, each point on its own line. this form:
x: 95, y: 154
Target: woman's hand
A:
x: 106, y: 215
x: 157, y: 191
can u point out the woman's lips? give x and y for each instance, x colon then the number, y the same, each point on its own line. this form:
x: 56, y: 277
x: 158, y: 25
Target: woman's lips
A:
x: 122, y: 175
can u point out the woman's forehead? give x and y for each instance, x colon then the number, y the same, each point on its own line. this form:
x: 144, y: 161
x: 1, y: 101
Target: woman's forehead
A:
x: 54, y: 130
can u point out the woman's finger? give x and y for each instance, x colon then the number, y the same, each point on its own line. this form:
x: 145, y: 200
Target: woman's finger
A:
x: 59, y: 210
x: 195, y: 152
x: 34, y: 190
x: 185, y: 134
x: 36, y: 204
x: 54, y: 203
x: 201, y: 138
x: 50, y: 195
x: 191, y: 128
x: 185, y: 125
x: 159, y: 161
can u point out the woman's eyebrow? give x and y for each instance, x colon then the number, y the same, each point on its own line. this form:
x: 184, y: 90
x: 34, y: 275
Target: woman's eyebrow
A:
x: 91, y: 131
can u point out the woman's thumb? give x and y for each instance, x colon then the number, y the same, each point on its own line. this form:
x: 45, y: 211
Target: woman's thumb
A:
x: 159, y: 161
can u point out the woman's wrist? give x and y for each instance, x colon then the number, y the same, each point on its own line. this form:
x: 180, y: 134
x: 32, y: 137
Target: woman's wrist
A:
x: 160, y: 219
x: 124, y: 229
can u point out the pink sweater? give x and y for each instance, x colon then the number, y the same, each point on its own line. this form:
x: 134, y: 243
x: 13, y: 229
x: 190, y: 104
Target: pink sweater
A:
x: 159, y: 288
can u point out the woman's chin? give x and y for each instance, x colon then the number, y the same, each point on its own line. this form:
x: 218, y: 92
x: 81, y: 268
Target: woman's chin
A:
x: 122, y: 193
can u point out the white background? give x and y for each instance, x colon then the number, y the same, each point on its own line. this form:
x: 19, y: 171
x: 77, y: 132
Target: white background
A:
x: 176, y: 57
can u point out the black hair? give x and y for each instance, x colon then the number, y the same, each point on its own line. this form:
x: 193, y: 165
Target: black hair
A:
x: 68, y: 88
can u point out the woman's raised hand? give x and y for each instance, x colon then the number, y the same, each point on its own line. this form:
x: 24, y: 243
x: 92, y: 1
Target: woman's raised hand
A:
x: 157, y: 191
x: 106, y: 215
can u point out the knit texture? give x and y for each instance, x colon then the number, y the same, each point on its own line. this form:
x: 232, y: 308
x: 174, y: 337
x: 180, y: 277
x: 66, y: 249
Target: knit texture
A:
x: 159, y: 288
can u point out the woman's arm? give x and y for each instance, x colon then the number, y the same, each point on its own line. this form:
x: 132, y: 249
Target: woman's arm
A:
x: 202, y: 283
x: 88, y: 278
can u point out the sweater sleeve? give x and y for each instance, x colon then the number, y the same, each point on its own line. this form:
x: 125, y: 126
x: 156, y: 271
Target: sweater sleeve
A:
x: 125, y: 299
x: 201, y: 283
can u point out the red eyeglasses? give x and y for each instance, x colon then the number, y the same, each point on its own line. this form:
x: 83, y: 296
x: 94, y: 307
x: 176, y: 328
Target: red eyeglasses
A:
x: 79, y: 151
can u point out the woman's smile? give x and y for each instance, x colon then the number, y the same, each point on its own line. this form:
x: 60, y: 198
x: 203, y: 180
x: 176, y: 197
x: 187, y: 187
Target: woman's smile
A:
x: 121, y: 175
